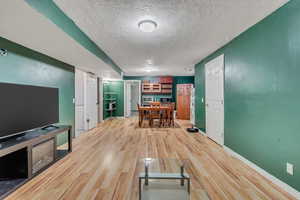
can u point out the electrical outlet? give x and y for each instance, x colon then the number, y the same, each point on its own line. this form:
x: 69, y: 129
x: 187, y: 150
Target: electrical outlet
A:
x: 290, y: 168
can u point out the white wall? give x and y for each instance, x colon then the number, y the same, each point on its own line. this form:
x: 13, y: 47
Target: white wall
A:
x: 100, y: 98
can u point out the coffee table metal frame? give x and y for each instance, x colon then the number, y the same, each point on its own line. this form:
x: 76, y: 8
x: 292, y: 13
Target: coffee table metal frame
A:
x: 182, y: 176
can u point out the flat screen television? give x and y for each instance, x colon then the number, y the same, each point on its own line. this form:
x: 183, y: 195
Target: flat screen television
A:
x: 26, y: 107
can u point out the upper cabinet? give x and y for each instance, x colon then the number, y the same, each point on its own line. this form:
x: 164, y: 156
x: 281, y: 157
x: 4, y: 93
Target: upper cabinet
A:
x: 164, y: 86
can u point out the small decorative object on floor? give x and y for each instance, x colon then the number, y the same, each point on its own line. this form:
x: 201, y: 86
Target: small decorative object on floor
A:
x: 193, y: 129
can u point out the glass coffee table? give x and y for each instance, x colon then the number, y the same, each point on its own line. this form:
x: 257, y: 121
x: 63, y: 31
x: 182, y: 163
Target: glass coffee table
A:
x: 164, y: 169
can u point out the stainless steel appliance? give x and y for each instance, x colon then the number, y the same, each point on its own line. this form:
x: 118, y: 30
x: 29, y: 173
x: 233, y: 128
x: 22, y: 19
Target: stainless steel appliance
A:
x: 165, y: 99
x: 147, y: 100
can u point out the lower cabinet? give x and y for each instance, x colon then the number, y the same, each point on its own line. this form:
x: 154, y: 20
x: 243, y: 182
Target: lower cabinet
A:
x: 25, y: 156
x: 42, y: 155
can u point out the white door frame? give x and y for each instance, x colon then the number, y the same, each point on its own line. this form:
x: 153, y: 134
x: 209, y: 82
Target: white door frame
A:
x: 100, y: 99
x: 192, y: 107
x: 127, y: 93
x: 127, y: 97
x: 86, y: 100
x: 216, y: 134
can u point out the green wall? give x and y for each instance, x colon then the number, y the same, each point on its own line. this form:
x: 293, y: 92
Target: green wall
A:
x: 50, y: 10
x: 199, y: 96
x: 117, y: 90
x: 176, y: 80
x: 25, y: 66
x: 262, y: 68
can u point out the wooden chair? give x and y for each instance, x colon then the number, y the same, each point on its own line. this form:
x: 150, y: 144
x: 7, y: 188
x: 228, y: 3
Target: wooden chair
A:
x: 155, y: 104
x: 141, y: 115
x: 144, y: 114
x: 171, y: 120
x: 166, y: 104
x: 154, y: 114
x: 165, y: 117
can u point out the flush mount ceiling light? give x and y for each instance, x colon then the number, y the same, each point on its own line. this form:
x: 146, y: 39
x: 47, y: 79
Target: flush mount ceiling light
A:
x: 149, y: 62
x: 147, y: 26
x: 150, y: 69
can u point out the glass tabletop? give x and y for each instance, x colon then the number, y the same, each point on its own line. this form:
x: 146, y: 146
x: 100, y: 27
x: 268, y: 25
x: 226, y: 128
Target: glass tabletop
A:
x: 164, y: 165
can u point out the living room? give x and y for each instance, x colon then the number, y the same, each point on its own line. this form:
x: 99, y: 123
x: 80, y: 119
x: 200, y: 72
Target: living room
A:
x: 149, y: 99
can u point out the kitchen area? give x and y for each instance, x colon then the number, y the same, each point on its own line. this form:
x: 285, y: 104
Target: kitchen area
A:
x: 165, y: 89
x: 157, y: 91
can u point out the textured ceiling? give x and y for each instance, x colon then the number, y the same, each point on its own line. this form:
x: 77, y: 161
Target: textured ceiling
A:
x: 188, y: 30
x: 22, y: 24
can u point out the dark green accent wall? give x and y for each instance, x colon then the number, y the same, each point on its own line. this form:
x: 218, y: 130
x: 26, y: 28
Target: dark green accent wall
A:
x: 262, y: 68
x: 176, y: 80
x: 25, y: 66
x: 199, y: 95
x: 117, y: 88
x: 50, y: 10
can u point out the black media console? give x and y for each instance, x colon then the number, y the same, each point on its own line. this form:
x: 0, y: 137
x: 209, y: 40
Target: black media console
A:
x: 27, y: 155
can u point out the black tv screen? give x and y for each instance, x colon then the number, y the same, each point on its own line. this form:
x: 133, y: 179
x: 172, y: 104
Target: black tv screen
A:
x: 25, y: 107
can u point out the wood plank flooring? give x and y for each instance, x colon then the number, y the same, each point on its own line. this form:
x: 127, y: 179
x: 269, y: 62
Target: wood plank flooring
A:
x: 104, y: 165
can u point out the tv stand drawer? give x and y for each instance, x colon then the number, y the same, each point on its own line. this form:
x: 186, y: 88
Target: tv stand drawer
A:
x: 42, y: 155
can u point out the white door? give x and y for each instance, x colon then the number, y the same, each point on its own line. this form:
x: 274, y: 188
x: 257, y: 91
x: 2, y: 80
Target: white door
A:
x: 128, y: 98
x: 192, y: 108
x: 91, y: 98
x: 135, y: 96
x: 79, y: 102
x: 132, y: 96
x: 214, y: 97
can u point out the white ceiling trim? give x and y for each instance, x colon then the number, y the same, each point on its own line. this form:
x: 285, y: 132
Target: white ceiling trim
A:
x: 24, y: 25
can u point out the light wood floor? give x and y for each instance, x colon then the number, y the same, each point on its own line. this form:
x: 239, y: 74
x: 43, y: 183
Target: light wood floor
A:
x: 104, y: 166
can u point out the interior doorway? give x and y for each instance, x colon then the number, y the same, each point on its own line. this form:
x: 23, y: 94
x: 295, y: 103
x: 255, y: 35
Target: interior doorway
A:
x: 214, y: 98
x: 183, y: 104
x: 132, y: 97
x: 86, y: 101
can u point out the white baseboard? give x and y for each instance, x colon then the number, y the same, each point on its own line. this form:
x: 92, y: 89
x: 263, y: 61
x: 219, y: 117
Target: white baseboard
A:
x: 119, y: 117
x: 108, y: 118
x: 202, y: 132
x: 264, y: 173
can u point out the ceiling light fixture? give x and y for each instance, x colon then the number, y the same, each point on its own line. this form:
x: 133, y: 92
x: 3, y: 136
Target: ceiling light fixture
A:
x: 149, y: 62
x: 147, y: 26
x: 150, y: 69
